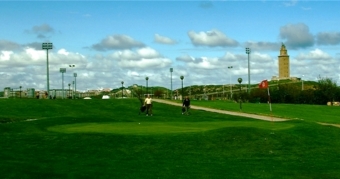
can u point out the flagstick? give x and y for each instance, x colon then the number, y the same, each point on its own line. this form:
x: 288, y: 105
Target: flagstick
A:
x: 264, y: 84
x: 270, y: 105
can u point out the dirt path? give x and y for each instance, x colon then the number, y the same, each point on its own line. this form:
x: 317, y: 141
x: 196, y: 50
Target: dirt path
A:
x: 254, y: 116
x: 327, y: 124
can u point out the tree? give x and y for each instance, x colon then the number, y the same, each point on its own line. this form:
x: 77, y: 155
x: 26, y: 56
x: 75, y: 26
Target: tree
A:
x: 306, y: 97
x: 158, y: 93
x: 136, y: 91
x: 326, y: 90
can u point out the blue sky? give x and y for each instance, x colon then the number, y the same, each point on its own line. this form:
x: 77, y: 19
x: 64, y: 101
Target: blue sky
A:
x: 114, y: 41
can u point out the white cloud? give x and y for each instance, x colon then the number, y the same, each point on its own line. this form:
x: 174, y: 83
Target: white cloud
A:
x: 63, y: 52
x: 313, y: 64
x: 271, y: 46
x: 205, y: 63
x: 231, y: 57
x: 8, y: 45
x: 213, y: 38
x: 148, y: 53
x: 117, y: 42
x: 35, y: 55
x: 328, y: 38
x: 141, y: 58
x: 68, y: 58
x: 126, y: 45
x: 315, y: 55
x: 262, y: 66
x: 185, y: 58
x: 28, y: 67
x: 297, y: 36
x: 145, y: 63
x: 5, y: 55
x: 163, y: 40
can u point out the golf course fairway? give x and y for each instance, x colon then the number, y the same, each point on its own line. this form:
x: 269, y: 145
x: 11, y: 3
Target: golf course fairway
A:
x: 150, y: 128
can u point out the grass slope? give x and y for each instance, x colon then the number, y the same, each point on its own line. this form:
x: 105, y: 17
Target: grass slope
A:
x: 311, y: 113
x: 79, y: 139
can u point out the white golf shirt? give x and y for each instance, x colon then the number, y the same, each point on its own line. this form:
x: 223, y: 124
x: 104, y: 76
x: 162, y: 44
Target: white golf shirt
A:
x: 148, y: 100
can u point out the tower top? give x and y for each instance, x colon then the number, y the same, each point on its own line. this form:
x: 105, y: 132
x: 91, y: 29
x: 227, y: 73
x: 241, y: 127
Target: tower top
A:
x: 283, y: 50
x: 283, y: 46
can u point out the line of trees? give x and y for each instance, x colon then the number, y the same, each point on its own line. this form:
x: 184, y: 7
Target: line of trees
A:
x: 325, y: 90
x: 321, y: 92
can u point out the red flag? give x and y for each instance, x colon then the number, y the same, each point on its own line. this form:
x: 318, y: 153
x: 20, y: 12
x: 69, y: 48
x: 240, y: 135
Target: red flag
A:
x: 263, y: 84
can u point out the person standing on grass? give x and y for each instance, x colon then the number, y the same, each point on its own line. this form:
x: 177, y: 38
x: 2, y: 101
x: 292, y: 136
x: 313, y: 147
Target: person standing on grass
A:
x: 148, y: 104
x: 186, y: 105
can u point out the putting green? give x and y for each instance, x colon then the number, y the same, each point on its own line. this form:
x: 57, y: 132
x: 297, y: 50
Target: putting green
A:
x: 149, y: 128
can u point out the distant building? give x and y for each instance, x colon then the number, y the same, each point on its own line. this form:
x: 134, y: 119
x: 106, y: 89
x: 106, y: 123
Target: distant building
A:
x: 18, y: 92
x: 283, y: 60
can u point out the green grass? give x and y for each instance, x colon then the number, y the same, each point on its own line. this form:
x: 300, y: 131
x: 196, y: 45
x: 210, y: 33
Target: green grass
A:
x: 103, y: 139
x: 158, y: 128
x: 312, y: 113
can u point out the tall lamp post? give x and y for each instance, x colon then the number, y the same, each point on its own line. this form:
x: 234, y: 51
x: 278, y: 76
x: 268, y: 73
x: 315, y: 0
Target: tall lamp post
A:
x: 122, y: 88
x: 182, y: 77
x: 231, y: 93
x: 248, y: 52
x: 171, y: 70
x: 47, y: 46
x: 146, y: 78
x: 20, y: 90
x: 69, y: 90
x: 73, y: 90
x: 62, y: 71
x: 72, y: 93
x: 240, y: 81
x: 75, y: 84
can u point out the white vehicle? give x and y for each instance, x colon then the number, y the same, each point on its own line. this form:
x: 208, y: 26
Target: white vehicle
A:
x: 106, y: 97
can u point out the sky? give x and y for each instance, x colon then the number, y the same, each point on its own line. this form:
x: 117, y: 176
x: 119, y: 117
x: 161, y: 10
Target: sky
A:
x: 113, y: 41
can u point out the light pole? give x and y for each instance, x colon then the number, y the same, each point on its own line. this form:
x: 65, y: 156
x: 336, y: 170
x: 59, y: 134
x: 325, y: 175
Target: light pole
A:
x: 62, y: 71
x: 72, y: 93
x: 171, y: 70
x: 182, y: 77
x: 20, y: 90
x: 141, y: 89
x: 146, y: 78
x: 69, y: 90
x: 47, y: 46
x: 75, y: 84
x: 248, y: 52
x: 122, y: 88
x: 73, y: 90
x: 240, y: 81
x: 231, y: 93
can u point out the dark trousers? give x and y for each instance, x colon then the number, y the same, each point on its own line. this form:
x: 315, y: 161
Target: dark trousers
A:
x: 148, y: 108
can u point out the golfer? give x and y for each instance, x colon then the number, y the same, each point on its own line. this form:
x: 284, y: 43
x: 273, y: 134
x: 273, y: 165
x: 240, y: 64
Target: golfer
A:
x: 186, y: 105
x: 148, y: 104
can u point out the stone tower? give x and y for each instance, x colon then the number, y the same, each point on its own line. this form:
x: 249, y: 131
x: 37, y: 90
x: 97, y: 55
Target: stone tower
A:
x: 284, y: 71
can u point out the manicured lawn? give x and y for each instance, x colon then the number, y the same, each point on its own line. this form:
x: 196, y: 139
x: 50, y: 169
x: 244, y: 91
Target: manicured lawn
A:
x: 311, y: 113
x: 108, y: 139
